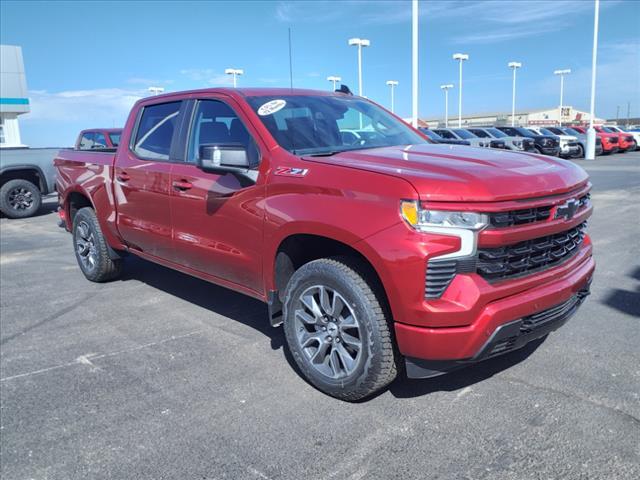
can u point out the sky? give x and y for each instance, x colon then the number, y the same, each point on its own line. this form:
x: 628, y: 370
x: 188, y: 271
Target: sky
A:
x: 87, y: 62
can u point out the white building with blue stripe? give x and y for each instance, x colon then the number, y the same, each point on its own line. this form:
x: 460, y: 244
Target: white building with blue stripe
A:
x: 13, y: 95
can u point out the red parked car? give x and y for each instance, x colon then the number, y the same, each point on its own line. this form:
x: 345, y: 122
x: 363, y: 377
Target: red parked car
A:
x: 609, y: 140
x: 626, y: 141
x: 99, y: 139
x: 378, y: 254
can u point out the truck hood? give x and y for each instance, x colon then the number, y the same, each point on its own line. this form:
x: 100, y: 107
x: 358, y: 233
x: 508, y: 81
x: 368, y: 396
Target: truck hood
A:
x: 455, y: 173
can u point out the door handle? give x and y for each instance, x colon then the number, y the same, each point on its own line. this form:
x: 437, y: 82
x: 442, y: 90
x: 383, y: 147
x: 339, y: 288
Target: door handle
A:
x: 123, y: 177
x: 182, y: 185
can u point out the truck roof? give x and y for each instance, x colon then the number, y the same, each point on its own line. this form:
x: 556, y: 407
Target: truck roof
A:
x: 249, y: 92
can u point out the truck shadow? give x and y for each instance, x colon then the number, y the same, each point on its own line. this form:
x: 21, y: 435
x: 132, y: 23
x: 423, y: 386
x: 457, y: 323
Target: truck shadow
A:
x: 464, y: 377
x: 219, y: 300
x: 253, y: 313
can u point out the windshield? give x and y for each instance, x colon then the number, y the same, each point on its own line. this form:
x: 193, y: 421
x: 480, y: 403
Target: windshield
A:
x: 115, y: 139
x: 546, y: 131
x: 322, y: 124
x: 480, y: 133
x: 571, y: 131
x: 496, y: 133
x: 431, y: 134
x: 462, y: 133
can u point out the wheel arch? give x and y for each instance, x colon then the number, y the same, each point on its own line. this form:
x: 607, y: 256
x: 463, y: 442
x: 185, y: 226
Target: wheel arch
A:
x: 31, y: 173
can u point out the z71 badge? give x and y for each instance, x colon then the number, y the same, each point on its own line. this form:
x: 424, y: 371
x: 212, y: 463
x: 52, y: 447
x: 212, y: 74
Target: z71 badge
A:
x: 291, y: 172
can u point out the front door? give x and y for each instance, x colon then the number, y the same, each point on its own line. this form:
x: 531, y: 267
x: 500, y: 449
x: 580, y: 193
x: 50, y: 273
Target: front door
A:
x: 218, y: 218
x: 142, y: 183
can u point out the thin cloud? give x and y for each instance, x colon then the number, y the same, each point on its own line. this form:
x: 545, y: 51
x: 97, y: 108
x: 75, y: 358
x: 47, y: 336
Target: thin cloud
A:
x: 147, y: 81
x: 207, y: 77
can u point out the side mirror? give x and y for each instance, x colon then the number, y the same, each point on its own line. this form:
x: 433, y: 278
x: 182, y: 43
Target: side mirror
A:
x: 223, y: 157
x: 227, y: 158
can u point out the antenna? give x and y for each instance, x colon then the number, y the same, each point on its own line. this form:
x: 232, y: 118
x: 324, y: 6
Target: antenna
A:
x: 290, y: 61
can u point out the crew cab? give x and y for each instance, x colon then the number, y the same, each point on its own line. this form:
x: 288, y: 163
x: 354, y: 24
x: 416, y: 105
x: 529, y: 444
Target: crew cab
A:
x: 609, y: 140
x: 394, y: 252
x: 98, y: 139
x: 569, y: 146
x: 512, y: 143
x: 545, y: 144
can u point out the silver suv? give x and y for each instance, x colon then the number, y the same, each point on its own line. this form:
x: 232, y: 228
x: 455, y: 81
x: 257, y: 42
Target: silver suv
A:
x: 474, y: 140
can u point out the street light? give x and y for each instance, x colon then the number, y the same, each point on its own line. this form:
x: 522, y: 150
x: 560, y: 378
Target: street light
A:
x: 590, y: 154
x: 562, y: 73
x: 514, y: 66
x: 461, y: 57
x: 359, y: 42
x: 392, y: 84
x: 236, y: 72
x: 335, y: 80
x: 446, y: 89
x: 156, y: 90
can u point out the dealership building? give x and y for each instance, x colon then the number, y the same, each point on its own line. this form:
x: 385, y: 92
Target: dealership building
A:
x: 13, y: 95
x: 542, y: 118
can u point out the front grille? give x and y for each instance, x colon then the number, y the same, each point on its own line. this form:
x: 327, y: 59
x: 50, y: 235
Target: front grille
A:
x: 511, y: 261
x: 527, y: 215
x: 613, y: 139
x: 629, y: 139
x: 598, y: 141
x: 497, y: 144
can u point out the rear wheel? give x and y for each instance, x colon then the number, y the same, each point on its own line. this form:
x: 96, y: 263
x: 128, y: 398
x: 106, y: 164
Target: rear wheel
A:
x: 92, y: 252
x: 337, y: 330
x: 20, y: 199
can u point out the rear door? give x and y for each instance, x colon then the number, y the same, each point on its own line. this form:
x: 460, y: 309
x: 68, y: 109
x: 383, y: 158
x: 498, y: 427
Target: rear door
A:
x: 142, y: 180
x: 217, y: 217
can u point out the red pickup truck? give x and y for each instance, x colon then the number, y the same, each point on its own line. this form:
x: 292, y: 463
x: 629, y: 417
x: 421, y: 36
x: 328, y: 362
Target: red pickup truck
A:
x: 380, y: 255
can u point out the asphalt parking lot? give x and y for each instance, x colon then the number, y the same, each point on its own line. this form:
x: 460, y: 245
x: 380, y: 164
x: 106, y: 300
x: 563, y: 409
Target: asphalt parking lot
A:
x: 160, y: 375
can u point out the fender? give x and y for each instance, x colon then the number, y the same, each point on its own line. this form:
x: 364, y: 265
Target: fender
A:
x: 44, y: 187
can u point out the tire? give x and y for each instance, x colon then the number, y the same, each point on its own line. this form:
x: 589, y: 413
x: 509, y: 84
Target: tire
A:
x: 539, y: 151
x: 92, y: 251
x: 20, y: 199
x: 360, y: 359
x: 580, y: 153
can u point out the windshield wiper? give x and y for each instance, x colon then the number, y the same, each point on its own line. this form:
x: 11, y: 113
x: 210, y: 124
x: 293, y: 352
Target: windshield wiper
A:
x: 324, y: 154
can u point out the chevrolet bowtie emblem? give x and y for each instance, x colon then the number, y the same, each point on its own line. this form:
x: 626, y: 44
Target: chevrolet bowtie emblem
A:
x: 568, y: 209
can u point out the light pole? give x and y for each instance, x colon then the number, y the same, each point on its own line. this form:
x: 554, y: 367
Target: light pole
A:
x: 335, y: 80
x: 156, y: 90
x: 514, y: 66
x: 236, y: 72
x: 446, y: 89
x: 562, y: 73
x: 414, y: 63
x: 461, y: 57
x: 591, y: 133
x: 392, y: 84
x: 360, y: 43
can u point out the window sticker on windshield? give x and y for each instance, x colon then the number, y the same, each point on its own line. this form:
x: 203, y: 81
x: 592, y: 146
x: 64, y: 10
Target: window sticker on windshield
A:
x: 271, y: 107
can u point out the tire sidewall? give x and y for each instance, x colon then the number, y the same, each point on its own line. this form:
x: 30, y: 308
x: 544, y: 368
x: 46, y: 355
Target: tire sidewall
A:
x: 88, y: 216
x: 318, y: 273
x: 4, y: 199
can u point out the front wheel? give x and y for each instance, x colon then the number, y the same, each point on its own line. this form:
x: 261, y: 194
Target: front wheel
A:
x: 20, y: 199
x: 337, y: 330
x: 92, y: 252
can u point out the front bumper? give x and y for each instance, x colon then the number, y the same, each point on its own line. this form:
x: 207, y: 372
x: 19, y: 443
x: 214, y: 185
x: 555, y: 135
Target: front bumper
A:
x: 503, y: 326
x: 551, y: 151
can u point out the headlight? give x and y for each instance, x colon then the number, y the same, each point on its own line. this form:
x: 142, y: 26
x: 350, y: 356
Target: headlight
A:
x: 517, y: 143
x: 464, y: 225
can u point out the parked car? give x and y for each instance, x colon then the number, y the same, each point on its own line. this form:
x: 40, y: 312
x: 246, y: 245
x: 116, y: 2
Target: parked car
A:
x: 625, y: 140
x: 26, y: 175
x: 512, y: 143
x: 440, y: 139
x: 254, y: 189
x: 99, y: 139
x: 609, y: 140
x: 635, y: 135
x: 544, y: 144
x: 474, y: 141
x: 569, y: 146
x: 581, y: 138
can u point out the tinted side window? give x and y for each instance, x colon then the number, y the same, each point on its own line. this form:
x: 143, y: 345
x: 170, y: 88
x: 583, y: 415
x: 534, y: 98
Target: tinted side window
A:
x: 115, y: 139
x: 86, y: 142
x: 155, y: 130
x: 446, y: 134
x: 215, y: 123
